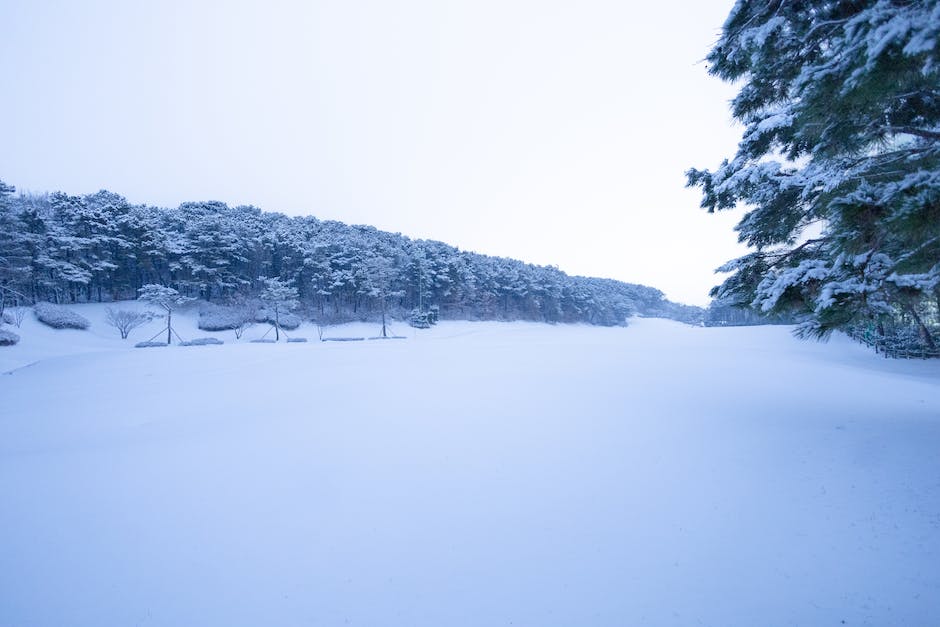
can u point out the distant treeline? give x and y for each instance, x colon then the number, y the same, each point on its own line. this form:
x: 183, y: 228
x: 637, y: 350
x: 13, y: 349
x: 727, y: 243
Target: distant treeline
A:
x: 99, y: 247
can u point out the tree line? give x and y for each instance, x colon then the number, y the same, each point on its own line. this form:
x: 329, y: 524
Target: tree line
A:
x: 100, y: 248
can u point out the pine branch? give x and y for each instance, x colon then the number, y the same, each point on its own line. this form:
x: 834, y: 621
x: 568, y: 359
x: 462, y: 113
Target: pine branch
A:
x: 798, y: 249
x: 917, y: 132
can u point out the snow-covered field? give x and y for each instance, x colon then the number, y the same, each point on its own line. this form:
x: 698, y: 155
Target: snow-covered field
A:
x: 473, y: 474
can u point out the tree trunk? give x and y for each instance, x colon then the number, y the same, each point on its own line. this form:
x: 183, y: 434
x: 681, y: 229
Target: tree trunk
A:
x: 169, y: 326
x: 922, y: 329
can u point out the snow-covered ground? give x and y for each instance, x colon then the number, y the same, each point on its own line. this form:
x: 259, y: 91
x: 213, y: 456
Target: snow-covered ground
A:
x: 473, y: 474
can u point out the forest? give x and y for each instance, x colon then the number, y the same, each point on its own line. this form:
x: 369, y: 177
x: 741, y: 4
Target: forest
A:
x: 99, y: 247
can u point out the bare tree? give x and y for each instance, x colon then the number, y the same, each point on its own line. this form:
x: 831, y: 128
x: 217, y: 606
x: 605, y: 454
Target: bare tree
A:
x: 125, y: 320
x: 14, y: 316
x: 246, y: 318
x: 8, y: 293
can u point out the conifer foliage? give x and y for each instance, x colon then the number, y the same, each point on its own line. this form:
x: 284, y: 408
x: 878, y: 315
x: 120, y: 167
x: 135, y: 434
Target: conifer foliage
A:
x: 99, y: 247
x: 167, y: 299
x: 839, y: 162
x: 281, y: 298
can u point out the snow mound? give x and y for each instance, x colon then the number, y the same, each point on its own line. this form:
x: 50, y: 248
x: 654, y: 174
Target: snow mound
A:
x: 202, y: 341
x: 150, y: 344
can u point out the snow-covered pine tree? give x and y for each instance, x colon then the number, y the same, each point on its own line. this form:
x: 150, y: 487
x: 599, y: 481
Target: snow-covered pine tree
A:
x: 14, y: 255
x: 377, y: 282
x: 281, y: 298
x: 839, y: 161
x: 167, y: 299
x: 64, y: 248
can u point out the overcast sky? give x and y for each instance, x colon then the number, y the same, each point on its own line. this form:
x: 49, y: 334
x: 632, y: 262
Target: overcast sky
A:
x: 553, y: 132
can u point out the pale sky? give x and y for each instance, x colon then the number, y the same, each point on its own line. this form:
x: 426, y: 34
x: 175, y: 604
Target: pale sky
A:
x: 553, y: 132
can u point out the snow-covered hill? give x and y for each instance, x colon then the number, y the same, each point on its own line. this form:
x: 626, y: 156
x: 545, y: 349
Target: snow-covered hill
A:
x: 472, y: 474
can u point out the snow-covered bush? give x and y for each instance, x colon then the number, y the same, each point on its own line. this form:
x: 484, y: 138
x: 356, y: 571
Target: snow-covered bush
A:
x: 149, y: 344
x: 217, y: 318
x: 420, y: 319
x: 7, y: 317
x: 288, y: 320
x: 263, y: 341
x: 202, y: 341
x: 297, y: 339
x: 8, y: 338
x: 59, y: 317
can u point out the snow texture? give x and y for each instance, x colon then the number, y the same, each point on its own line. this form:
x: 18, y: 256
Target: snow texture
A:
x: 472, y: 474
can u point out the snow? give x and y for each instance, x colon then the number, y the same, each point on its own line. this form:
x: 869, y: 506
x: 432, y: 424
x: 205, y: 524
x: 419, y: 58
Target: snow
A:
x: 773, y: 286
x: 472, y: 474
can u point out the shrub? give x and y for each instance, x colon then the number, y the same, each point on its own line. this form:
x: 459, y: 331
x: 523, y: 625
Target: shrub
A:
x: 297, y: 339
x: 420, y: 319
x: 7, y: 317
x: 216, y: 318
x: 289, y: 321
x: 59, y: 317
x: 202, y: 341
x: 149, y: 344
x: 8, y: 338
x: 263, y: 341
